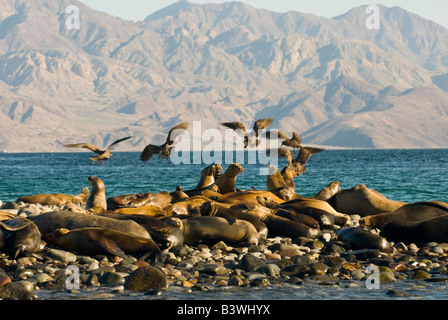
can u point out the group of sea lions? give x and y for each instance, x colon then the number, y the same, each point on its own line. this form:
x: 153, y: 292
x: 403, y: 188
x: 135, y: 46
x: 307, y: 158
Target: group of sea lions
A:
x: 215, y: 210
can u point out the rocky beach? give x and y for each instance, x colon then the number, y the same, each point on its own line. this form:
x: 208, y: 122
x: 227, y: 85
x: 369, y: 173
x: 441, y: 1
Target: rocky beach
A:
x: 222, y: 270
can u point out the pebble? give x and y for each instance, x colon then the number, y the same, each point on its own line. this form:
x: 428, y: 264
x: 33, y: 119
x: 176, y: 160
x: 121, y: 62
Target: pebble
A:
x: 146, y: 278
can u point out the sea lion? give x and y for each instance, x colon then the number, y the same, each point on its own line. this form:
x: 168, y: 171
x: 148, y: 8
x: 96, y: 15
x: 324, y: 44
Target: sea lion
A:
x: 4, y: 215
x: 412, y: 212
x: 247, y: 197
x: 359, y: 238
x: 277, y: 185
x: 363, y: 201
x: 226, y: 182
x: 161, y: 199
x: 49, y: 221
x: 251, y: 138
x: 178, y: 195
x: 21, y: 237
x: 97, y: 199
x: 434, y: 229
x: 190, y: 206
x: 57, y: 198
x: 328, y: 192
x: 103, y: 155
x: 147, y: 210
x: 208, y: 229
x: 164, y: 150
x: 210, y: 208
x: 165, y: 235
x: 207, y: 180
x: 95, y: 240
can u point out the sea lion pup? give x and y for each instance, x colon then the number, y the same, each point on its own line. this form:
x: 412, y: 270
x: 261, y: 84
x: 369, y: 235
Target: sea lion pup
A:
x: 178, y: 195
x: 210, y: 208
x: 97, y: 199
x: 57, y: 198
x: 95, y: 240
x: 329, y: 191
x: 165, y: 235
x: 434, y: 229
x: 226, y: 182
x: 318, y: 209
x: 209, y: 175
x: 160, y: 199
x: 21, y: 237
x: 247, y: 197
x: 49, y: 221
x: 103, y: 155
x: 363, y: 201
x: 252, y: 138
x: 147, y: 210
x: 164, y: 150
x: 412, y: 212
x: 190, y: 206
x: 358, y: 238
x: 208, y: 229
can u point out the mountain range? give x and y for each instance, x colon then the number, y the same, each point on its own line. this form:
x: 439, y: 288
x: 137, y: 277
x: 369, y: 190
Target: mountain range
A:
x: 333, y: 81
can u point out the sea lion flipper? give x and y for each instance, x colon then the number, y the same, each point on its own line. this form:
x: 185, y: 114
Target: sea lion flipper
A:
x: 110, y: 246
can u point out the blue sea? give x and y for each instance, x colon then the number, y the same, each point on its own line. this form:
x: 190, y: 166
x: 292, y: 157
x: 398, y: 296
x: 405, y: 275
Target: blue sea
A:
x: 404, y: 175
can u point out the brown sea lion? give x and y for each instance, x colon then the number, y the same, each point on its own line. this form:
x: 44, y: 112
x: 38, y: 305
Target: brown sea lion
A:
x: 49, y: 221
x: 412, y: 212
x: 328, y: 192
x: 161, y: 199
x: 57, y: 198
x: 226, y: 182
x: 4, y: 215
x: 21, y: 236
x: 208, y: 229
x: 97, y: 199
x: 363, y: 201
x: 359, y: 238
x: 178, y: 195
x: 277, y: 185
x: 165, y: 235
x: 434, y: 229
x: 147, y: 210
x: 95, y: 240
x: 248, y: 197
x: 190, y: 206
x: 210, y: 208
x: 207, y: 180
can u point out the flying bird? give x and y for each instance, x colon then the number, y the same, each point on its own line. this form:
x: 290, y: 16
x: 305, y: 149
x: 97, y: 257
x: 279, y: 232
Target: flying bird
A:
x: 302, y: 158
x: 293, y: 142
x: 103, y: 155
x: 164, y: 150
x: 241, y: 129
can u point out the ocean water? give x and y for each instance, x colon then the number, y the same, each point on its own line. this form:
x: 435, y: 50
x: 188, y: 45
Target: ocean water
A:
x: 404, y: 175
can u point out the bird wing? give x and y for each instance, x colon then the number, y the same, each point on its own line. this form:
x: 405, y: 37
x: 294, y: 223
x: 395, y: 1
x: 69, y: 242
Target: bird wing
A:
x: 305, y: 153
x: 149, y: 151
x: 296, y: 137
x: 262, y: 124
x: 84, y: 145
x: 118, y: 141
x: 236, y: 125
x: 176, y: 131
x: 283, y: 152
x: 277, y: 133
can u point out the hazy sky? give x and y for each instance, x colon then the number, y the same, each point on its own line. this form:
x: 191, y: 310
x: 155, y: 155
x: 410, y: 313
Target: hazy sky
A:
x: 435, y: 10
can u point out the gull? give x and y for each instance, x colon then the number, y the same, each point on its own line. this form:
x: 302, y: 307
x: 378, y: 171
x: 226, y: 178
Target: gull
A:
x: 241, y: 129
x: 164, y: 150
x: 103, y: 155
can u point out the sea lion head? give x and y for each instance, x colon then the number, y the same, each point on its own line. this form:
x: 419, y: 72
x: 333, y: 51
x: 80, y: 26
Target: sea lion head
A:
x: 21, y: 236
x: 175, y: 222
x: 234, y: 169
x: 56, y: 234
